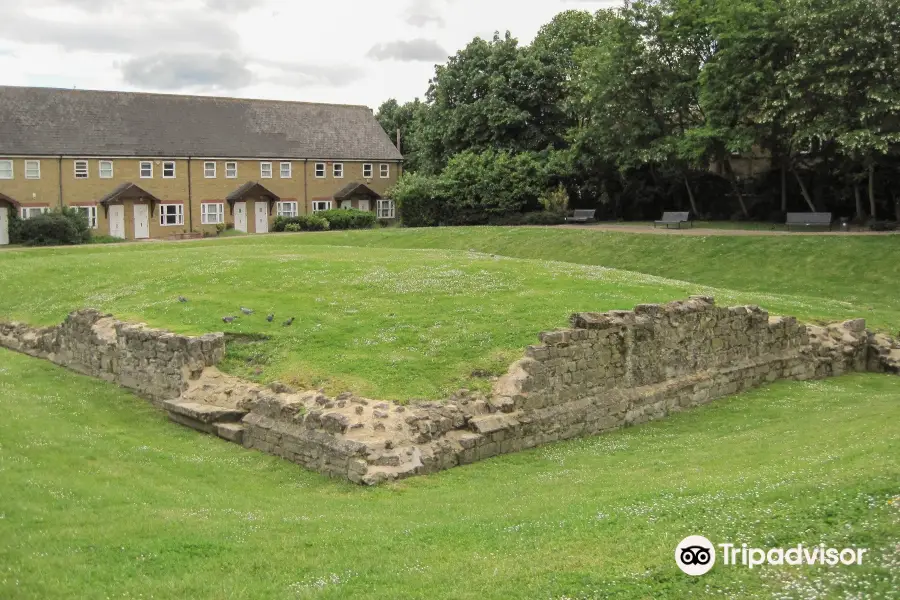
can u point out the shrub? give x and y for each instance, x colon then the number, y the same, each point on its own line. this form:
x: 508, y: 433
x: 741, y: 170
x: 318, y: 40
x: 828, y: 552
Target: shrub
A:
x: 555, y: 201
x: 105, y: 239
x: 314, y: 223
x: 280, y: 223
x: 292, y: 227
x: 57, y: 228
x: 420, y: 200
x: 544, y: 218
x: 342, y: 218
x: 15, y: 226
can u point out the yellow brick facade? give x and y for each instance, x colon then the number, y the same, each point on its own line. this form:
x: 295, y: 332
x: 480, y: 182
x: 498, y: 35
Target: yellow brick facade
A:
x: 192, y: 186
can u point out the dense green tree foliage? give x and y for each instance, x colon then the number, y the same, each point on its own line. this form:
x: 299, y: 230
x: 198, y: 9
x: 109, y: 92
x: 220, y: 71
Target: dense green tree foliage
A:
x: 660, y: 104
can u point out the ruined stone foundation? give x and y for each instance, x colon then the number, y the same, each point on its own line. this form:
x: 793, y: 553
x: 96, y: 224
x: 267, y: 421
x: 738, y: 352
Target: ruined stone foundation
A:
x: 608, y: 370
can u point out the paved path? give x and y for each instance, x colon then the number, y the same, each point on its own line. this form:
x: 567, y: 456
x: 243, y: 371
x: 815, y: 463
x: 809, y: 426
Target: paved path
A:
x: 712, y: 231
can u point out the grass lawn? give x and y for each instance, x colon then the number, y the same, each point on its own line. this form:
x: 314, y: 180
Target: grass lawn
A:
x: 100, y: 497
x: 402, y: 314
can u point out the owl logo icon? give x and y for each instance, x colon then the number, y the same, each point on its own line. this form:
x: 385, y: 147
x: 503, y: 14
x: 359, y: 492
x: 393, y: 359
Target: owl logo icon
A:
x: 695, y: 555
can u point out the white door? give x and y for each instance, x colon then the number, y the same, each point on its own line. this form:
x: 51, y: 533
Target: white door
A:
x: 4, y: 226
x: 141, y: 221
x: 240, y: 216
x: 117, y: 221
x: 346, y: 203
x: 364, y: 205
x: 262, y: 217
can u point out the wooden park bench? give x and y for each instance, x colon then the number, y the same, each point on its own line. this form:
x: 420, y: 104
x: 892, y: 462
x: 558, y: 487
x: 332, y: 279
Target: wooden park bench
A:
x: 674, y: 218
x: 810, y: 219
x: 581, y: 216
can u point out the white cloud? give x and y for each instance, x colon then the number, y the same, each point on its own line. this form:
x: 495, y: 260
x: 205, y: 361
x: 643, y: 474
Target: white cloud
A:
x: 347, y: 51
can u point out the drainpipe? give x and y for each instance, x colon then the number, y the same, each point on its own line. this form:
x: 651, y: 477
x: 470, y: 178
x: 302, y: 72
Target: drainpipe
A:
x: 190, y: 199
x: 60, y: 182
x: 305, y: 187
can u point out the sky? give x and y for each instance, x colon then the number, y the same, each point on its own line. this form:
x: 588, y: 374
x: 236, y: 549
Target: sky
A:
x: 339, y: 51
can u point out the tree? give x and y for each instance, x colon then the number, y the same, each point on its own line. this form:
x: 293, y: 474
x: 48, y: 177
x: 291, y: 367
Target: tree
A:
x: 843, y: 87
x: 406, y: 119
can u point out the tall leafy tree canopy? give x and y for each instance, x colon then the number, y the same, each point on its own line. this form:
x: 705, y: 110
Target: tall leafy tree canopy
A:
x: 654, y: 106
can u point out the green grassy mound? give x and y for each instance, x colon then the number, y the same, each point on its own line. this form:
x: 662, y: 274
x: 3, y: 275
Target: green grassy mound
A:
x: 402, y: 314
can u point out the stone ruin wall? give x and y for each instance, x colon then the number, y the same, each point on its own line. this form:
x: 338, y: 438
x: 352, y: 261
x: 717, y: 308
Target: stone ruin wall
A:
x: 607, y: 371
x: 156, y: 364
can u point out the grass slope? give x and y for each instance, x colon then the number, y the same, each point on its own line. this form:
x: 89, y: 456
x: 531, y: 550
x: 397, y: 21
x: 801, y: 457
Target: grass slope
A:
x: 377, y: 317
x: 100, y: 497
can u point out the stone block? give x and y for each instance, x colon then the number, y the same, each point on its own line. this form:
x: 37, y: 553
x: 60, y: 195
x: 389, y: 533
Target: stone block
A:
x: 233, y: 432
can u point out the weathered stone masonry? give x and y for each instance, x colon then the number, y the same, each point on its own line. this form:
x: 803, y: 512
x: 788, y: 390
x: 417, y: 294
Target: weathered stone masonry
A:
x: 155, y: 364
x: 608, y: 370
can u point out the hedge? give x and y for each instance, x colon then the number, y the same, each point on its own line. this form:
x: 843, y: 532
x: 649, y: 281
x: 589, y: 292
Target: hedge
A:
x: 57, y: 228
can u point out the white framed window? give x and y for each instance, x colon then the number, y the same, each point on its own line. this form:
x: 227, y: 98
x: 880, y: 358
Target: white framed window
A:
x: 29, y: 212
x: 385, y: 171
x: 320, y: 170
x: 286, y: 170
x: 106, y: 169
x: 146, y: 169
x: 91, y: 213
x: 265, y: 170
x: 212, y: 213
x: 386, y: 209
x: 338, y: 170
x: 209, y: 170
x: 32, y: 169
x: 231, y: 170
x: 6, y: 169
x: 81, y: 169
x: 320, y: 205
x: 367, y: 171
x: 171, y: 214
x: 169, y: 169
x: 286, y: 209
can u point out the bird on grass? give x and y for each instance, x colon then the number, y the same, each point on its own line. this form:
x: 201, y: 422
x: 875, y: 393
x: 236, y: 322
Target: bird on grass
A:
x: 182, y: 299
x: 270, y: 318
x: 228, y: 319
x: 289, y: 322
x: 247, y: 311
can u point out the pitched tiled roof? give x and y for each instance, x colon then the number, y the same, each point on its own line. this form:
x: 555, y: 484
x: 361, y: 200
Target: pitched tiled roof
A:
x: 355, y: 188
x: 127, y: 191
x: 12, y: 201
x: 46, y: 121
x: 251, y: 187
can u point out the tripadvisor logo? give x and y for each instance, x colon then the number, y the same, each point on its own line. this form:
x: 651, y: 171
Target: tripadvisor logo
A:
x: 696, y: 555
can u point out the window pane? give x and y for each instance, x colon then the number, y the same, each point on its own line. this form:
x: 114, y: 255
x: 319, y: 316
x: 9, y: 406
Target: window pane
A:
x: 285, y: 170
x: 6, y: 169
x: 32, y: 169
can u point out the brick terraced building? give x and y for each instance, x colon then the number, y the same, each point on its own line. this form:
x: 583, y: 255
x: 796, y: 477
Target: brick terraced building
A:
x: 159, y: 166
